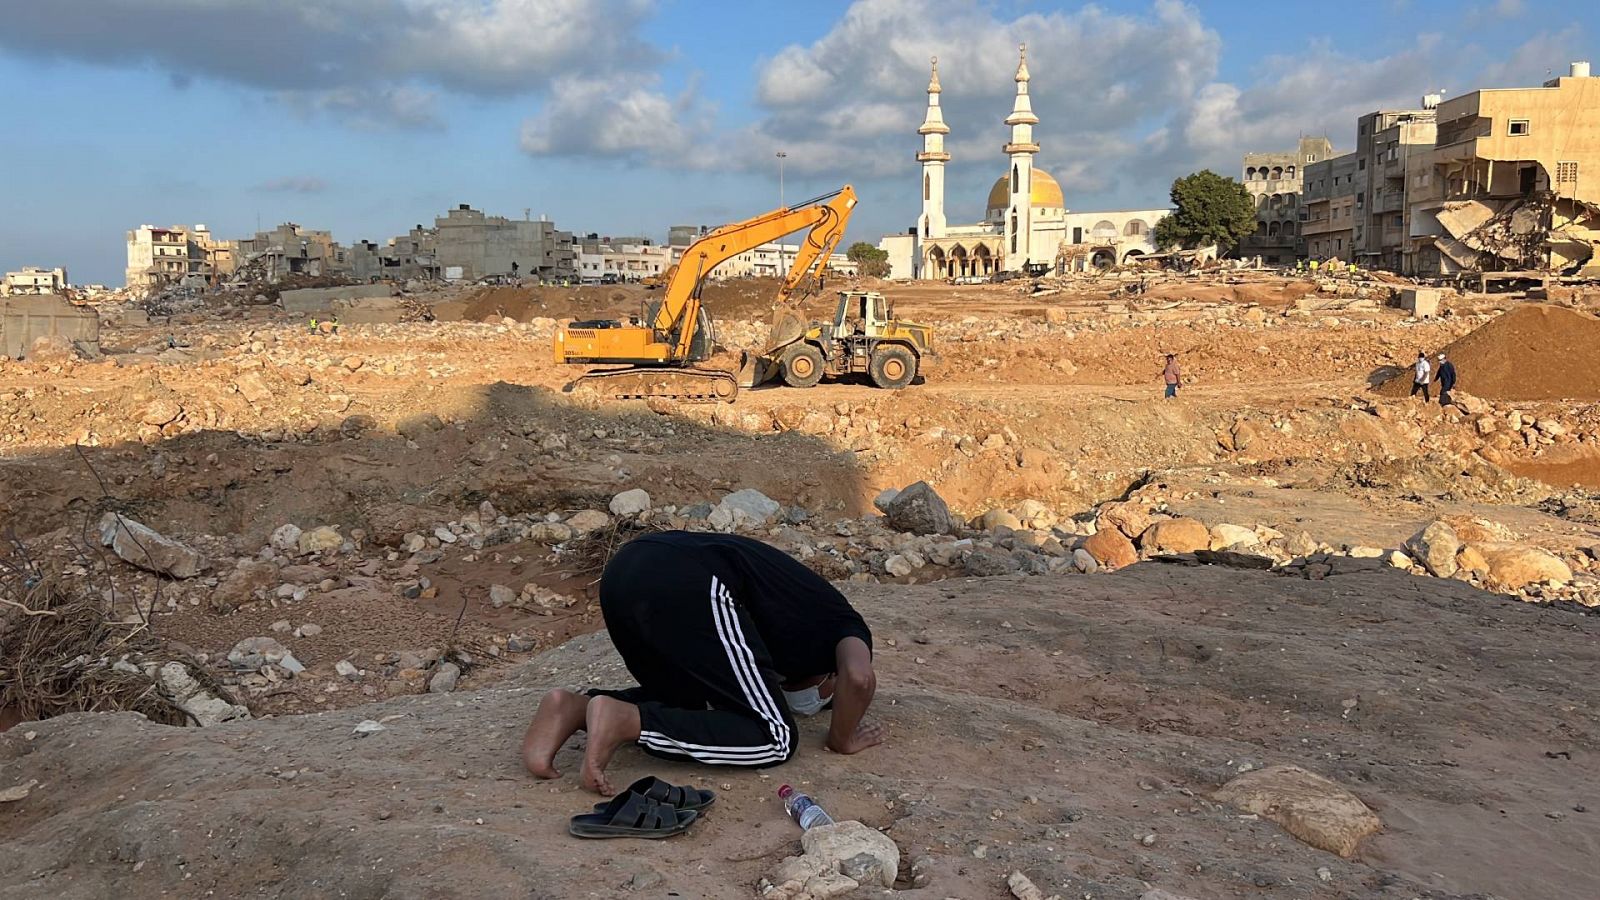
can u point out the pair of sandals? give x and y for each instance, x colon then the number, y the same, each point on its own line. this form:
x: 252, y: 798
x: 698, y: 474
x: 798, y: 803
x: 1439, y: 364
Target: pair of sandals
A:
x: 649, y: 808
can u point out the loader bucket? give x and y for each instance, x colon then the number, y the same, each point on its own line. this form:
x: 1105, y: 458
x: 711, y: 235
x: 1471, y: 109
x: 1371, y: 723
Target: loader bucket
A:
x: 755, y: 368
x: 788, y: 326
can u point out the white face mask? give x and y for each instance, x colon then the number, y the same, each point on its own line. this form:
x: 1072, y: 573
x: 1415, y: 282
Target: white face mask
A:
x: 806, y: 701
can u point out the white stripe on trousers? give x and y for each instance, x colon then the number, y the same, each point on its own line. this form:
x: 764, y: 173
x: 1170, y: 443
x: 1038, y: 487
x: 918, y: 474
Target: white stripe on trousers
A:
x: 755, y: 688
x: 756, y: 694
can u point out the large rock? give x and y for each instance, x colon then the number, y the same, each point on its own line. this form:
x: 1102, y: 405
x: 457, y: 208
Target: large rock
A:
x: 920, y: 510
x: 587, y: 520
x: 444, y: 678
x: 253, y: 653
x: 241, y: 586
x: 1224, y: 537
x: 319, y: 539
x: 1001, y: 518
x: 418, y: 425
x: 286, y: 538
x: 631, y: 503
x: 1129, y: 518
x: 743, y: 509
x: 1111, y: 548
x: 142, y: 546
x: 1180, y: 535
x: 161, y: 411
x: 983, y: 563
x: 1512, y: 567
x: 834, y: 845
x: 253, y: 388
x: 185, y: 690
x: 1435, y: 547
x: 1314, y: 809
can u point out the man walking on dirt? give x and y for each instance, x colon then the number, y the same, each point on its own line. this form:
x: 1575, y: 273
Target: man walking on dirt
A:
x: 1420, y: 380
x: 728, y: 638
x: 1446, y: 378
x: 1172, y: 375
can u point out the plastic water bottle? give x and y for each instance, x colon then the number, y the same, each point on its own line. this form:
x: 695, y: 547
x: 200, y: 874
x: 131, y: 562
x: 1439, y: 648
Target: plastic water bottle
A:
x: 804, y: 809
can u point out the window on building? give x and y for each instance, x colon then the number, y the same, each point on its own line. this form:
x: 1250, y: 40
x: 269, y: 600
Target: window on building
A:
x: 1361, y: 164
x: 1399, y: 220
x: 1338, y: 243
x: 926, y: 183
x: 1518, y: 127
x: 1567, y: 172
x: 1394, y: 152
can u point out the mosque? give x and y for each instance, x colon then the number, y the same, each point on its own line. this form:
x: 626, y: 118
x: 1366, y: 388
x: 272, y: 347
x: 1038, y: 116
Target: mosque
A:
x: 1040, y: 234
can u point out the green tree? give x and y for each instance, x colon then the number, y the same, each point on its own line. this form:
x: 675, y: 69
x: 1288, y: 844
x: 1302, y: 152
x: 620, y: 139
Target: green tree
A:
x: 1211, y: 209
x: 869, y: 260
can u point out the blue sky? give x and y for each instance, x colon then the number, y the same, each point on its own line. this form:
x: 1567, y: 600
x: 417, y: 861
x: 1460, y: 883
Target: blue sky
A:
x: 625, y: 116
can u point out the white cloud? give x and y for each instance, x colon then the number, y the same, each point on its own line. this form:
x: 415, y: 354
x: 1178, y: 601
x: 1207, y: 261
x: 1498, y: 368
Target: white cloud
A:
x: 617, y: 118
x: 333, y: 55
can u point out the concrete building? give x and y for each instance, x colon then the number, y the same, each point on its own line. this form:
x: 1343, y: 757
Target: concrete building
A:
x: 161, y: 256
x: 1026, y: 222
x: 1387, y: 147
x: 34, y: 280
x: 292, y: 250
x: 1329, y: 191
x: 626, y: 260
x: 1275, y: 182
x: 470, y: 245
x: 1509, y: 181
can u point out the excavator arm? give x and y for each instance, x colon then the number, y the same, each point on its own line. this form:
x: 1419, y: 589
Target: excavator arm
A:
x: 825, y: 216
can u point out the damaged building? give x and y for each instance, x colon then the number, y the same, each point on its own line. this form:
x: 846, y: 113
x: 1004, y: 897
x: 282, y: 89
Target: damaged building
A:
x: 1511, y: 182
x: 1275, y: 182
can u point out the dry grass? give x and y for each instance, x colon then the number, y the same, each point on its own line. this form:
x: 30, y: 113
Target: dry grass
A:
x: 60, y: 649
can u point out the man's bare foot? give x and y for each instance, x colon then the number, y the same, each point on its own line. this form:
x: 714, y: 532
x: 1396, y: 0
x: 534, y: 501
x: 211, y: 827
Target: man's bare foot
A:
x: 560, y: 714
x: 611, y: 723
x: 867, y: 734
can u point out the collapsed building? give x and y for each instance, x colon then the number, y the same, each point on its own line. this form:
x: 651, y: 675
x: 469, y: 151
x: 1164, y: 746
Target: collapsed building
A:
x: 1511, y: 183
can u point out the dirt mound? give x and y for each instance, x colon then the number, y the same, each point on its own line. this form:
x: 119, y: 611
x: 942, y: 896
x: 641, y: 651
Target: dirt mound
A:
x: 1533, y: 352
x: 1118, y: 705
x: 527, y: 303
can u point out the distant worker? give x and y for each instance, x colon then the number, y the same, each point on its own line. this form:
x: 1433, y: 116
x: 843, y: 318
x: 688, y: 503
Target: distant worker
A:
x: 1313, y: 265
x: 1446, y: 378
x: 1172, y: 375
x: 313, y: 324
x: 1422, y: 377
x: 335, y: 324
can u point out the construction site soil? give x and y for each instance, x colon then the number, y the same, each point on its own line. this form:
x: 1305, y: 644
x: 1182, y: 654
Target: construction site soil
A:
x: 1070, y: 726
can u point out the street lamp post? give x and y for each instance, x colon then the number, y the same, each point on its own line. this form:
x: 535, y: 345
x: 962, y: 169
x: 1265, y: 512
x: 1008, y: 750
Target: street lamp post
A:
x: 783, y: 265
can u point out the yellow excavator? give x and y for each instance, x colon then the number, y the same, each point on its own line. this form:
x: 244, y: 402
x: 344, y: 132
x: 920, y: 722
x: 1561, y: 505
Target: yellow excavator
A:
x: 665, y: 352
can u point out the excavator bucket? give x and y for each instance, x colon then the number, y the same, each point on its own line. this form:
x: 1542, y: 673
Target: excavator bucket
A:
x: 788, y: 326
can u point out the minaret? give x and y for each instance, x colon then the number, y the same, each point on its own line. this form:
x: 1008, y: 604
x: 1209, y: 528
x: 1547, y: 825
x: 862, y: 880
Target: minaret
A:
x: 1019, y: 219
x: 933, y: 158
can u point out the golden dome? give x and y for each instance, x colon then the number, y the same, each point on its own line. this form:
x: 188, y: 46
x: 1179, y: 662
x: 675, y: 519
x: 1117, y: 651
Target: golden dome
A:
x: 1046, y: 192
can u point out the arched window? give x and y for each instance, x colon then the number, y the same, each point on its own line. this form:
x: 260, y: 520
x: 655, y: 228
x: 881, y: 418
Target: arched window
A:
x: 1261, y: 229
x: 1013, y: 224
x: 1016, y: 180
x: 1277, y: 172
x: 1289, y: 172
x: 927, y: 228
x: 927, y: 190
x: 1104, y: 228
x: 1272, y: 229
x: 1288, y: 229
x: 1134, y: 228
x: 1250, y: 174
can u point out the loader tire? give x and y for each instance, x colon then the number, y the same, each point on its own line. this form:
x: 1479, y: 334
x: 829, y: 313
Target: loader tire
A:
x: 893, y: 367
x: 802, y: 366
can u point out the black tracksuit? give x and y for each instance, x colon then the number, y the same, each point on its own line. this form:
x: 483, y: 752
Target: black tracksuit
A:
x: 712, y: 626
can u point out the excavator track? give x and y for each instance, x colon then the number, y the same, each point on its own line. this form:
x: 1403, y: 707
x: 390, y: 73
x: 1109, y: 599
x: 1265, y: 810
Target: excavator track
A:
x: 664, y: 383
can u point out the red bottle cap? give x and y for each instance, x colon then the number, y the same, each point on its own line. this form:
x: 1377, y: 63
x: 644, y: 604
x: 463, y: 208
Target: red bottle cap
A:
x: 785, y: 790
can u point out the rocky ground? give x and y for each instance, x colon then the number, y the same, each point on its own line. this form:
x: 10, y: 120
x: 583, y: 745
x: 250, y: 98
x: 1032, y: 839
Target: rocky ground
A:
x: 327, y: 521
x: 1074, y: 729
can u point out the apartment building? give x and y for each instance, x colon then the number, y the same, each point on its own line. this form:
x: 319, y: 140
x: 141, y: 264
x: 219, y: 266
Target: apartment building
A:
x: 622, y: 259
x: 34, y: 280
x: 470, y: 245
x: 1510, y: 182
x: 161, y: 256
x: 1328, y: 207
x: 1275, y: 182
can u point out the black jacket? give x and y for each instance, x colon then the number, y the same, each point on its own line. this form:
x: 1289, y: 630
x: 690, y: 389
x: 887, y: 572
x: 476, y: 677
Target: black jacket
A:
x: 1447, y: 375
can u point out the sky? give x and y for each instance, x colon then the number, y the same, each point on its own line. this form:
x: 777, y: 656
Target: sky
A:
x: 623, y: 117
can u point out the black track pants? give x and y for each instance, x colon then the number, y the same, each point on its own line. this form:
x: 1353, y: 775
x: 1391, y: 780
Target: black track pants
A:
x: 707, y: 690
